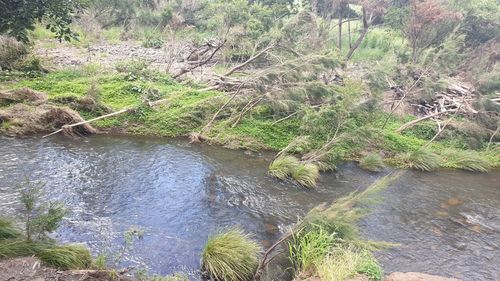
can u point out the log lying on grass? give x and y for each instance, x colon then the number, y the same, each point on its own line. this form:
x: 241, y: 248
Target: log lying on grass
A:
x: 22, y: 119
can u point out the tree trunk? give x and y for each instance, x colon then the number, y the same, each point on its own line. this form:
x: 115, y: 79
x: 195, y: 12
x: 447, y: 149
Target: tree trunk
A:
x: 340, y: 26
x: 349, y: 26
x: 361, y: 36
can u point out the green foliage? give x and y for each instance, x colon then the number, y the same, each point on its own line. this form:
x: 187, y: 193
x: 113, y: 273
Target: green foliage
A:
x: 422, y: 159
x: 12, y: 248
x: 370, y: 267
x: 39, y: 219
x: 231, y: 256
x: 306, y: 174
x: 20, y: 16
x: 7, y: 230
x: 372, y: 162
x: 66, y: 257
x: 282, y: 167
x: 308, y: 248
x: 467, y: 160
x: 344, y: 262
x: 153, y: 41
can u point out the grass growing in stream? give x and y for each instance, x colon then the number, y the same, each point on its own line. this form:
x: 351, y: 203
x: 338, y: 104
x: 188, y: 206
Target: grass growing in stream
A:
x: 231, y: 256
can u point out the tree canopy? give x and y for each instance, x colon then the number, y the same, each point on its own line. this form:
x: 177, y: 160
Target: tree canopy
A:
x: 17, y: 17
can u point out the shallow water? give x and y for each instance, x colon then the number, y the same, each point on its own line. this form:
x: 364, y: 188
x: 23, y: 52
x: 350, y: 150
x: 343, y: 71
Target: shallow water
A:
x: 447, y: 223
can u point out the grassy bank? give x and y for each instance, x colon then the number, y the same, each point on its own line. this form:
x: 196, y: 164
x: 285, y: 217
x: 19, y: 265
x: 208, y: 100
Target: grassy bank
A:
x: 186, y: 110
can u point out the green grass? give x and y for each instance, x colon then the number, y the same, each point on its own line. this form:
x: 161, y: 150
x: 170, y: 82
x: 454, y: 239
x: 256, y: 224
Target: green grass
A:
x: 12, y: 248
x: 282, y: 167
x: 8, y: 230
x: 230, y: 256
x: 423, y: 159
x: 308, y: 248
x: 188, y: 110
x: 66, y: 257
x: 372, y: 162
x: 306, y: 174
x: 345, y: 262
x: 468, y: 160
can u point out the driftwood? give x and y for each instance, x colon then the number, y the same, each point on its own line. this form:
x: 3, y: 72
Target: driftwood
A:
x: 67, y: 127
x: 200, y: 63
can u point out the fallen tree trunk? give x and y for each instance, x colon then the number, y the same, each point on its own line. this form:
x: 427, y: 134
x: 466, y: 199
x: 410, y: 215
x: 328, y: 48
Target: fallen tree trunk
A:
x: 416, y: 121
x: 67, y: 127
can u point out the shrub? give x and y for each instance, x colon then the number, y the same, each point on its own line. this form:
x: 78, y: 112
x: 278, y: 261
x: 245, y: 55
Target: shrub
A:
x: 422, y: 159
x: 308, y: 248
x: 283, y: 166
x: 66, y: 257
x: 230, y: 256
x: 372, y: 162
x: 7, y: 230
x: 11, y: 51
x: 306, y: 174
x: 468, y: 160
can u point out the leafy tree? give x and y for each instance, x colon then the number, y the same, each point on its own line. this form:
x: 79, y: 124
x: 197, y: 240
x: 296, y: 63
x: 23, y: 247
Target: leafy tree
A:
x: 19, y: 16
x: 424, y: 23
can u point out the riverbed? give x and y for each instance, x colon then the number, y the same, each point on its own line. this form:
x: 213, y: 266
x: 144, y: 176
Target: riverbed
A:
x: 447, y: 222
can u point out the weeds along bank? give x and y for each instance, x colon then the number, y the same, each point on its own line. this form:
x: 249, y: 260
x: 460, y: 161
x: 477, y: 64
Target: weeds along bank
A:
x: 309, y: 137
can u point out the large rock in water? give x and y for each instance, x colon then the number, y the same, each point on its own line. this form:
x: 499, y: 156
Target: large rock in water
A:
x: 415, y: 276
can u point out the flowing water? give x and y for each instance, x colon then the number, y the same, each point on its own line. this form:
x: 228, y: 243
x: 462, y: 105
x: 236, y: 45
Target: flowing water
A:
x: 446, y: 223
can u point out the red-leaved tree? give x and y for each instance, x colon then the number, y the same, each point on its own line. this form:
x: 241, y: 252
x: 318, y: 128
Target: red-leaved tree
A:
x: 428, y: 24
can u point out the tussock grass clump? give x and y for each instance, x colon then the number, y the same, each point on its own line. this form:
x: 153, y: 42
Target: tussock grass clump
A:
x: 230, y: 256
x: 372, y: 162
x: 309, y: 247
x: 66, y: 257
x: 343, y: 263
x: 12, y: 248
x: 422, y: 159
x: 7, y: 230
x: 283, y: 167
x: 469, y: 161
x: 340, y: 264
x: 306, y: 174
x: 289, y: 166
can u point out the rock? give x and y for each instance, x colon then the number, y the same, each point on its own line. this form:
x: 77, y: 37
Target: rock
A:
x: 416, y: 276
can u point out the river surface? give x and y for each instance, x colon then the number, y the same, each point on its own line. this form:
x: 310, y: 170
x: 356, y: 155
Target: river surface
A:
x: 447, y: 223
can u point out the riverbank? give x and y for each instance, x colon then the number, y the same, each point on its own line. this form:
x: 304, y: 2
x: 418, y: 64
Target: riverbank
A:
x: 183, y: 108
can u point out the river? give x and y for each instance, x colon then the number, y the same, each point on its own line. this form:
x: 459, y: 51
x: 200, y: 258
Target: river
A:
x: 447, y: 223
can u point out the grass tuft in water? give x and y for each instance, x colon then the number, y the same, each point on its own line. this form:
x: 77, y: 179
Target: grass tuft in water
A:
x: 422, y: 159
x: 344, y: 262
x: 282, y: 167
x: 66, y: 257
x: 306, y: 175
x: 469, y: 161
x: 372, y: 162
x: 230, y: 256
